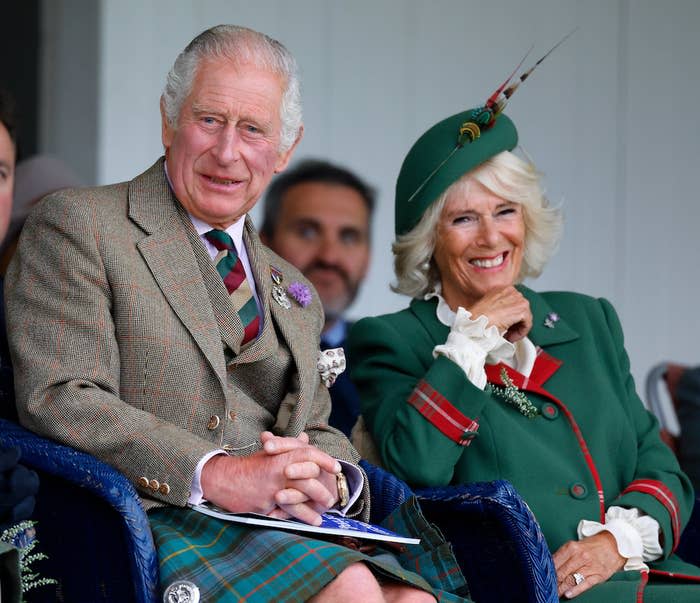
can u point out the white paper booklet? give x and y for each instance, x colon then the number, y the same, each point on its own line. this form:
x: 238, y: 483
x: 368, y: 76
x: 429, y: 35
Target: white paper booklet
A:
x: 332, y: 524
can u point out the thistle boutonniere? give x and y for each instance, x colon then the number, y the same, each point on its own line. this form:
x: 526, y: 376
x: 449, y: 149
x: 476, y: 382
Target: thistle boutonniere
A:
x: 300, y: 292
x: 512, y: 395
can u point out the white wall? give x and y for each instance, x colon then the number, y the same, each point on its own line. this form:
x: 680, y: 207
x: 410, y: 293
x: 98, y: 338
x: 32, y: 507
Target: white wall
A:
x: 608, y: 118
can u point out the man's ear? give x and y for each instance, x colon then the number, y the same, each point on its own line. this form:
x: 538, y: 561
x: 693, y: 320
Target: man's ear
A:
x: 166, y: 130
x: 283, y: 159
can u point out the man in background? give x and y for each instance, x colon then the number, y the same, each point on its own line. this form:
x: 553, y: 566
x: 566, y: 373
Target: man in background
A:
x: 317, y: 217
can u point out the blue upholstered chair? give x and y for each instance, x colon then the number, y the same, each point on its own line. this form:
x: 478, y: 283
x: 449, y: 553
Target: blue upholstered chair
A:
x: 100, y: 546
x: 490, y: 528
x: 90, y: 524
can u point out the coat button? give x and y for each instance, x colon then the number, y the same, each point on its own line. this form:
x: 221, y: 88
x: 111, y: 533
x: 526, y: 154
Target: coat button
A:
x: 578, y: 490
x: 213, y: 422
x: 142, y: 481
x: 550, y: 411
x: 231, y: 415
x: 164, y: 489
x: 154, y: 484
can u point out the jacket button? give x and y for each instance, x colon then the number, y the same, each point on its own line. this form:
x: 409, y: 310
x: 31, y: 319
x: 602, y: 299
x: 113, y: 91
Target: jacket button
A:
x: 213, y: 422
x: 143, y: 482
x: 578, y: 490
x: 231, y: 415
x: 550, y: 411
x: 154, y: 484
x: 164, y: 489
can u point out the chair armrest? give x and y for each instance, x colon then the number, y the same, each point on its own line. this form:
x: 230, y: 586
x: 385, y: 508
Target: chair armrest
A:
x: 52, y: 460
x: 387, y: 491
x: 496, y: 539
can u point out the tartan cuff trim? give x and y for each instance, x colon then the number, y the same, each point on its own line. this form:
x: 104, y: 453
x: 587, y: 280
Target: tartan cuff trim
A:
x: 442, y: 414
x: 663, y: 494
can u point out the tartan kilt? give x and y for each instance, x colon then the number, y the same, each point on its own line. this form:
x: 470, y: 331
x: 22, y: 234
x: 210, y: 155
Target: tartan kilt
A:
x: 236, y: 562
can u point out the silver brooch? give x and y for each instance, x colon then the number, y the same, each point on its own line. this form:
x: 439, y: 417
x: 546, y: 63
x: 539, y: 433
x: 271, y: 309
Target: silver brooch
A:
x: 278, y: 293
x: 181, y: 591
x: 550, y: 319
x: 280, y: 296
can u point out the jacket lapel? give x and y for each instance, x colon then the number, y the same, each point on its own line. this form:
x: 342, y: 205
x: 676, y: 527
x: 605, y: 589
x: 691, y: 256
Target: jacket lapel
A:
x: 424, y: 311
x: 169, y: 254
x: 540, y: 334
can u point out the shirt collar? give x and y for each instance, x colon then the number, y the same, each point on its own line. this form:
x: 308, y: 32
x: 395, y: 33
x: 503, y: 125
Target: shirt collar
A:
x: 235, y: 231
x: 335, y: 336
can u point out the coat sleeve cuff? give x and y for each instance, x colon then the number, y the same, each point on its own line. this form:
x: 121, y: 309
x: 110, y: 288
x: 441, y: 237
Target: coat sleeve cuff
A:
x: 641, y: 489
x: 443, y: 414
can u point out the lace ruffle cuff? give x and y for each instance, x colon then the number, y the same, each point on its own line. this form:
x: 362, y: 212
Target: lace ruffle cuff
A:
x: 636, y: 535
x: 472, y: 343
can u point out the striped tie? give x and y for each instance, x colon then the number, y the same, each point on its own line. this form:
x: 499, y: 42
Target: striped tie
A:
x: 230, y: 268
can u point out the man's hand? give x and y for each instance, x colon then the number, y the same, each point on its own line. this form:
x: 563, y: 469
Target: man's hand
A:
x: 508, y: 310
x: 595, y: 558
x: 288, y: 478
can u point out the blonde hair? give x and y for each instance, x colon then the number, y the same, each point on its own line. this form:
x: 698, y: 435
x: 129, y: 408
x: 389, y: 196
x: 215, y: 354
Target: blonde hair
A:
x: 505, y: 175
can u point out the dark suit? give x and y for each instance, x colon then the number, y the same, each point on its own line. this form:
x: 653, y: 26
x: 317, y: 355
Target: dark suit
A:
x: 345, y: 401
x: 125, y: 344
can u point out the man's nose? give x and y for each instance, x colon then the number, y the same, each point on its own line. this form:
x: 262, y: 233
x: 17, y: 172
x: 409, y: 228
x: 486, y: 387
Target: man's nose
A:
x: 227, y: 147
x: 330, y: 250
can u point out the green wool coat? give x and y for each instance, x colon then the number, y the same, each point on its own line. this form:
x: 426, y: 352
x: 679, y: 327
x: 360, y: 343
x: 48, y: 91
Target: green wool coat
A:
x: 591, y: 446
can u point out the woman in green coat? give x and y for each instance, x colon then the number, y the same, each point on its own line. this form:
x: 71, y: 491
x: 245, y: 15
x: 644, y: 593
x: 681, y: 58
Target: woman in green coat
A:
x: 482, y: 378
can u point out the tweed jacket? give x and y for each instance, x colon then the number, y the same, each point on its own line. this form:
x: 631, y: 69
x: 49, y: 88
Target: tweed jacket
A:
x: 591, y: 445
x: 126, y: 346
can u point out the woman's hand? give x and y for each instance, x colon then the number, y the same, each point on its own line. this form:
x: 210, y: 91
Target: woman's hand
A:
x: 594, y: 558
x: 508, y: 310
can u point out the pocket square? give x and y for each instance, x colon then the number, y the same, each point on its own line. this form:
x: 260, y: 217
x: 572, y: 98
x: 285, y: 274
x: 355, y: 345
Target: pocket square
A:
x: 331, y: 363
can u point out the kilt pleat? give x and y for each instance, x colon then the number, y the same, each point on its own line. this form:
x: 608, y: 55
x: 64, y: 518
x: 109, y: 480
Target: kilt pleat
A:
x: 236, y: 562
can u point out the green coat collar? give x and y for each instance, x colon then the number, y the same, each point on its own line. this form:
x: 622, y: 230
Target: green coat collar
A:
x: 540, y: 335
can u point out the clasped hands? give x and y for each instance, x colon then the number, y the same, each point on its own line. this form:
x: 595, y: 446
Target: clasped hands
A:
x: 287, y: 478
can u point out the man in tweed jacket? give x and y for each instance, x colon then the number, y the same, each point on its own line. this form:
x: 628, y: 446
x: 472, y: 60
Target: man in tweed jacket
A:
x: 123, y: 335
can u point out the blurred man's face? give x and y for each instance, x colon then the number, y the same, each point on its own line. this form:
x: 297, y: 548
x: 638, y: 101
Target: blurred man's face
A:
x: 7, y: 179
x: 224, y: 149
x: 323, y: 230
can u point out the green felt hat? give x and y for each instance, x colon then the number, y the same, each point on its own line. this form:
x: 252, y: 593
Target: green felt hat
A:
x: 453, y: 147
x: 441, y: 156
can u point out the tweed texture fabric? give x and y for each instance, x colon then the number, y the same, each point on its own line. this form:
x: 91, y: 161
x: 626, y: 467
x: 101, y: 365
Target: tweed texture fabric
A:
x: 125, y: 345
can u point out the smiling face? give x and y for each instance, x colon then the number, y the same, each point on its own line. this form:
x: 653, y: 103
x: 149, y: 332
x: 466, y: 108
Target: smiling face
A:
x: 7, y: 177
x: 224, y: 149
x: 323, y: 229
x: 479, y: 245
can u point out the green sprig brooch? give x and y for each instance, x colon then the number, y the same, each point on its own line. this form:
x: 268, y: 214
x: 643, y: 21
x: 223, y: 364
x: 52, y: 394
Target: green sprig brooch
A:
x: 512, y: 395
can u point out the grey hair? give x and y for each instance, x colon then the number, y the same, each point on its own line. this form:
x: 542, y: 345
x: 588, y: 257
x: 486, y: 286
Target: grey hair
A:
x: 241, y: 45
x: 505, y: 175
